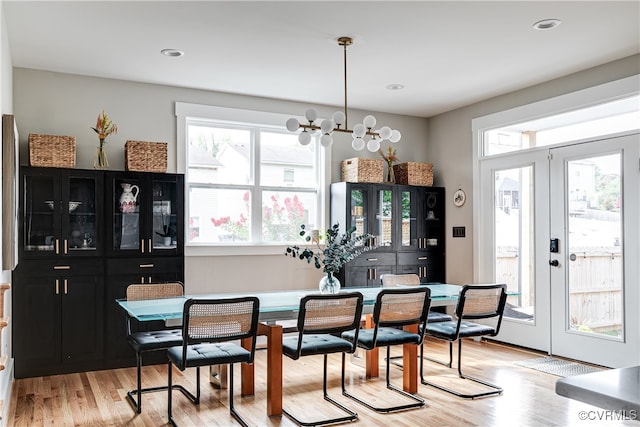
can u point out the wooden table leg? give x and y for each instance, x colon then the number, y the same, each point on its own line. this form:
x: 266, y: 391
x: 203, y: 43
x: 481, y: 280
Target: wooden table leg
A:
x: 247, y: 370
x: 372, y: 367
x: 410, y: 363
x: 274, y: 367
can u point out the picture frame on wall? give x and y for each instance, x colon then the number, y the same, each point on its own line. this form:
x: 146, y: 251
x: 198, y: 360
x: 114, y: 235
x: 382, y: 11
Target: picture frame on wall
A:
x: 10, y: 167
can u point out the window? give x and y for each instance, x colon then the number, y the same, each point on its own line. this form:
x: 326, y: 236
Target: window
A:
x: 249, y: 181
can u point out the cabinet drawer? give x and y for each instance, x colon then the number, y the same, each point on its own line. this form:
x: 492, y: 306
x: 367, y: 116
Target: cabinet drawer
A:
x: 374, y: 258
x: 145, y: 265
x: 58, y: 268
x: 414, y: 258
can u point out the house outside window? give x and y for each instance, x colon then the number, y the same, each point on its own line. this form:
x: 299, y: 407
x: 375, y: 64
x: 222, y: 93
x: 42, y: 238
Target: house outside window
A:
x: 249, y: 183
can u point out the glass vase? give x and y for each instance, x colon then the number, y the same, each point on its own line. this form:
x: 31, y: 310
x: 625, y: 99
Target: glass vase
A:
x: 390, y: 175
x: 100, y: 161
x: 329, y: 284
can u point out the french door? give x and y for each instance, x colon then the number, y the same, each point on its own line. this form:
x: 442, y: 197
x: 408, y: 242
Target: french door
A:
x: 594, y: 265
x: 560, y: 227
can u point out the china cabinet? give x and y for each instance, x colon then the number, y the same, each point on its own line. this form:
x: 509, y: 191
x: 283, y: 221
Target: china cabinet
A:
x: 84, y: 236
x: 407, y: 223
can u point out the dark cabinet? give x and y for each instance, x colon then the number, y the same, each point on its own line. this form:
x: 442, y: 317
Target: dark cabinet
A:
x: 58, y: 316
x: 407, y: 223
x: 81, y: 244
x: 61, y: 213
x: 145, y: 214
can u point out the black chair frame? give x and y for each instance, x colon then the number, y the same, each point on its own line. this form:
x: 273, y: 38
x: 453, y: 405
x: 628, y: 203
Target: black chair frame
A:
x: 151, y: 341
x: 310, y: 335
x: 384, y: 326
x: 203, y: 344
x: 459, y: 335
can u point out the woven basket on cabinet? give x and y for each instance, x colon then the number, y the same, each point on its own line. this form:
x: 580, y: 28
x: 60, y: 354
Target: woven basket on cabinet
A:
x: 143, y: 156
x: 362, y: 170
x: 413, y: 173
x: 55, y: 151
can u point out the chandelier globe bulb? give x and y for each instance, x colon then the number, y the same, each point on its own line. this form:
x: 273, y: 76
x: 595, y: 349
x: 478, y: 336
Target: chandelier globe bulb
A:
x: 326, y: 140
x: 304, y: 138
x: 357, y: 144
x: 311, y: 114
x: 339, y: 118
x: 369, y: 121
x: 292, y: 125
x: 373, y: 145
x: 395, y: 136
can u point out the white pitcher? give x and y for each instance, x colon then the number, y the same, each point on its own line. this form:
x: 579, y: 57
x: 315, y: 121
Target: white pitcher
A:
x: 128, y: 197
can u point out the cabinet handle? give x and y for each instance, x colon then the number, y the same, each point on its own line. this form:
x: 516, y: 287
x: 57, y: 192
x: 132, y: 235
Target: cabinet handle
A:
x: 65, y: 247
x: 65, y: 286
x: 375, y: 273
x: 57, y: 247
x: 142, y: 280
x: 150, y: 246
x: 57, y: 286
x: 422, y: 258
x: 62, y: 267
x: 149, y: 279
x: 372, y: 259
x: 146, y: 265
x: 142, y: 245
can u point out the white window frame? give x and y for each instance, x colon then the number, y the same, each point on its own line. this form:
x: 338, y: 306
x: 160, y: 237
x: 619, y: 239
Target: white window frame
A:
x: 185, y: 111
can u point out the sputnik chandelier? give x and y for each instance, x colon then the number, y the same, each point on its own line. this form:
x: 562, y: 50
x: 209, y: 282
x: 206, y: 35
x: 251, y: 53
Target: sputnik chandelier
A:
x: 363, y: 133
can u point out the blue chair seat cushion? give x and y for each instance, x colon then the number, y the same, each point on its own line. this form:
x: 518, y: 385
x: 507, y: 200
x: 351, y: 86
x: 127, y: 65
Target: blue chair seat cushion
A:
x: 436, y: 316
x: 315, y: 344
x: 155, y: 340
x: 209, y: 354
x: 447, y: 330
x: 387, y: 336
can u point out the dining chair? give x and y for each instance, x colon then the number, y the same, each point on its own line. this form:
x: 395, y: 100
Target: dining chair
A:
x: 412, y: 280
x: 151, y: 341
x: 394, y: 307
x: 210, y: 329
x: 476, y: 302
x: 321, y: 320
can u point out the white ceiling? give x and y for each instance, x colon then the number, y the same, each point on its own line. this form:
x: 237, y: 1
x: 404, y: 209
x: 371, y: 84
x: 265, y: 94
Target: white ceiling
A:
x: 447, y: 54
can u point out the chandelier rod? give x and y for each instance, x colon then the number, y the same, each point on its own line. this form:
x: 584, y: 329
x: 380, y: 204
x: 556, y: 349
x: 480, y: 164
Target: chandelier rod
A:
x: 345, y: 41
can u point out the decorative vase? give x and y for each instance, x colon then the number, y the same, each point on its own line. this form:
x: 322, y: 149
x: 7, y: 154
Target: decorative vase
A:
x: 391, y: 177
x: 167, y: 240
x: 128, y: 197
x: 329, y: 284
x: 101, y: 161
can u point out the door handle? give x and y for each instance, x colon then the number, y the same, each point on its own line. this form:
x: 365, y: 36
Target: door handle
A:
x: 554, y: 262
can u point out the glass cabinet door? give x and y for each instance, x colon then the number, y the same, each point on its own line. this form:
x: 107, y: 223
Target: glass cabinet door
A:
x: 165, y: 219
x: 41, y: 210
x: 359, y: 210
x: 81, y: 231
x: 126, y: 215
x: 384, y: 217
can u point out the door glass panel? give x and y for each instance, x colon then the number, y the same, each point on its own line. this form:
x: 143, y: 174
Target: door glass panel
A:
x: 41, y: 207
x: 514, y: 239
x: 82, y: 214
x: 384, y: 218
x: 595, y: 242
x: 359, y: 212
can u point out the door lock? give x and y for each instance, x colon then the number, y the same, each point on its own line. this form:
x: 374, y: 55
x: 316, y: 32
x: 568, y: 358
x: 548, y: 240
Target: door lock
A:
x: 554, y: 262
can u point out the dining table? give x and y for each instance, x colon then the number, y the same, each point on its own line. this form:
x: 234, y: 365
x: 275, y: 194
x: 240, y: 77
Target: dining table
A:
x: 284, y: 305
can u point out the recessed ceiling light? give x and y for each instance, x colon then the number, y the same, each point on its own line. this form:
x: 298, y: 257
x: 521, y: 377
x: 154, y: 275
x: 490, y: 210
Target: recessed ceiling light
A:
x: 546, y: 24
x: 395, y: 86
x: 174, y: 53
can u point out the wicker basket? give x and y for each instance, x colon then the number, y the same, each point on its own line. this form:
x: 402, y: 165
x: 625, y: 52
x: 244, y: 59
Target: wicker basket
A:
x: 143, y: 156
x: 362, y: 170
x: 52, y: 151
x: 412, y: 173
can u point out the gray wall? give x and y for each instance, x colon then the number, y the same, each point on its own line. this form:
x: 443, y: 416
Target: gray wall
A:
x: 64, y: 104
x: 450, y: 148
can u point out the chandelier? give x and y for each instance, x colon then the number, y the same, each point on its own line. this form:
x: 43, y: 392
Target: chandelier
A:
x: 363, y: 133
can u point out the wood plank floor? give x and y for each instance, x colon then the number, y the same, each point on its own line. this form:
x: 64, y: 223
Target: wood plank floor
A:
x: 99, y: 398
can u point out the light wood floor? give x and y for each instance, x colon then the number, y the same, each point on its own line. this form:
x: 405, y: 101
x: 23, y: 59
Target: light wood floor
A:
x: 99, y: 398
